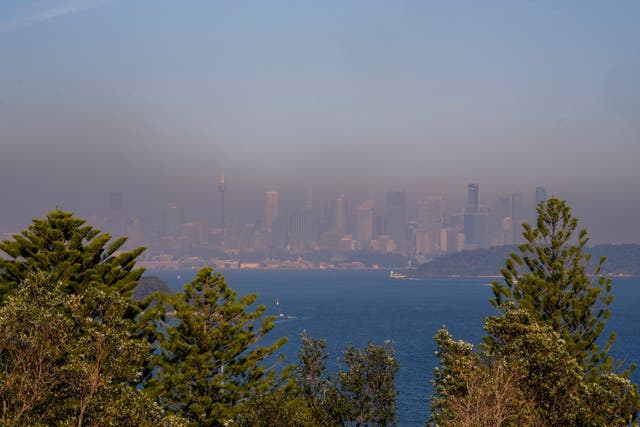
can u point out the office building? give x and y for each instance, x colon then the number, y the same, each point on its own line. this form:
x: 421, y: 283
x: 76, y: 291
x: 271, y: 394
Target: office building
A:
x: 474, y: 220
x: 448, y: 240
x: 364, y: 221
x: 340, y: 214
x: 431, y: 213
x: 426, y: 242
x: 222, y: 188
x: 270, y: 209
x: 301, y: 230
x: 397, y: 218
x: 518, y: 217
x: 473, y: 198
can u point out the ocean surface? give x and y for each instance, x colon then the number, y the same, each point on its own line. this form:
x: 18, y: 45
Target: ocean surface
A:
x: 357, y: 306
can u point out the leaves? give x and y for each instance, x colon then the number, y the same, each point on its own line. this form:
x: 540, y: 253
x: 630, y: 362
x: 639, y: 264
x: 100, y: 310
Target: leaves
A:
x: 209, y: 362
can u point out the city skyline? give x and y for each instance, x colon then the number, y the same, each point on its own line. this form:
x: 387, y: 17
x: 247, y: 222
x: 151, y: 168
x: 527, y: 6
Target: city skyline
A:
x: 154, y: 98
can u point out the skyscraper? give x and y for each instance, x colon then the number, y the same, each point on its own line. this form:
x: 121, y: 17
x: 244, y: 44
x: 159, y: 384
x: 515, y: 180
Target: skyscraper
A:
x: 301, y: 230
x: 431, y: 213
x: 473, y: 201
x: 340, y: 214
x: 222, y: 188
x: 518, y: 217
x: 364, y: 221
x: 474, y: 222
x: 397, y: 217
x: 308, y: 201
x: 270, y: 209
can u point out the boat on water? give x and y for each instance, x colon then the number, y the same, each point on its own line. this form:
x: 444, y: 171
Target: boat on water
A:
x: 395, y: 275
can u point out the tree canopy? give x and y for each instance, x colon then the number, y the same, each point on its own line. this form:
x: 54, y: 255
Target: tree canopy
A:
x: 549, y: 279
x: 540, y: 363
x: 208, y: 360
x: 70, y: 251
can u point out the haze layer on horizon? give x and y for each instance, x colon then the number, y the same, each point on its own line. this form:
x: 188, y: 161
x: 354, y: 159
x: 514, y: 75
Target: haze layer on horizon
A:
x: 156, y: 98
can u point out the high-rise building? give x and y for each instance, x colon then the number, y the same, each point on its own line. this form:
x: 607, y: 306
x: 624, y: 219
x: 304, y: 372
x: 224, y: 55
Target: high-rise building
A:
x: 541, y: 194
x: 222, y: 188
x: 448, y: 240
x: 340, y: 214
x: 518, y: 217
x: 308, y: 201
x: 397, y: 217
x: 431, y: 213
x: 474, y: 220
x: 474, y: 228
x: 301, y: 230
x: 364, y: 221
x: 270, y: 209
x: 172, y: 220
x: 426, y: 242
x: 473, y: 198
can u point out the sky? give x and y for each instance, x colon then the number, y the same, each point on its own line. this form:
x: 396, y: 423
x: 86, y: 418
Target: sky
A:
x: 156, y: 98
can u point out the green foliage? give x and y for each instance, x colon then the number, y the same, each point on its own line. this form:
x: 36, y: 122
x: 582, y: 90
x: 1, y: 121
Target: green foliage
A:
x: 473, y: 390
x: 70, y: 251
x: 539, y: 363
x: 147, y: 286
x: 368, y: 386
x: 208, y: 363
x: 525, y: 375
x: 549, y: 279
x: 363, y: 394
x: 278, y: 406
x: 69, y: 359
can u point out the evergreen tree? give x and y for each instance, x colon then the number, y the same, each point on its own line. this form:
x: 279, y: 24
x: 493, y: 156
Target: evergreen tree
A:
x: 539, y: 363
x: 524, y: 375
x: 70, y: 251
x: 549, y: 279
x: 208, y: 361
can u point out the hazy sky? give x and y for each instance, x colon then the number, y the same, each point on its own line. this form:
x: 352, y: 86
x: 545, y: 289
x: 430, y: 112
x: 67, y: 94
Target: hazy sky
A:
x: 156, y: 98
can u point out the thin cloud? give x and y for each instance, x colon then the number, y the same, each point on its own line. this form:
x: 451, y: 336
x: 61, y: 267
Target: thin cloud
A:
x: 52, y: 13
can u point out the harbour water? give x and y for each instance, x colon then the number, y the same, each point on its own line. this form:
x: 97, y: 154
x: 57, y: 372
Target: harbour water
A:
x: 357, y: 306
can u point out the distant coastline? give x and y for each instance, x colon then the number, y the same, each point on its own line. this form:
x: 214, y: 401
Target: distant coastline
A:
x: 621, y: 261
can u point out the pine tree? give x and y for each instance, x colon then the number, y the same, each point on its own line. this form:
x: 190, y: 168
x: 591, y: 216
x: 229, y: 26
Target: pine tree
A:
x: 549, y: 279
x: 71, y: 252
x: 209, y: 362
x: 539, y: 363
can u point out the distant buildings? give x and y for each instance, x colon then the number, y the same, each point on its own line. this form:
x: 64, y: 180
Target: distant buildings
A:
x: 474, y: 225
x: 346, y: 223
x: 473, y: 198
x: 364, y: 222
x: 397, y: 218
x: 340, y: 214
x: 222, y: 188
x: 270, y: 209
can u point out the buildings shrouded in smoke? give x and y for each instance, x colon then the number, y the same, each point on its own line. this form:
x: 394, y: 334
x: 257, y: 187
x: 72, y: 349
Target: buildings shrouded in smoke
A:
x: 397, y: 218
x: 270, y: 209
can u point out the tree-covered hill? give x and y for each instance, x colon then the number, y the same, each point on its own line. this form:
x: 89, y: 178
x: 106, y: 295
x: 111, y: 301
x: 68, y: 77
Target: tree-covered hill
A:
x: 621, y: 260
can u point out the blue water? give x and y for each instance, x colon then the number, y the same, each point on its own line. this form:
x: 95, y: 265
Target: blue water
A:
x: 343, y: 307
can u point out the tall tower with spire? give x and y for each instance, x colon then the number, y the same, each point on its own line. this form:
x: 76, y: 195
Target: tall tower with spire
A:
x: 222, y: 188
